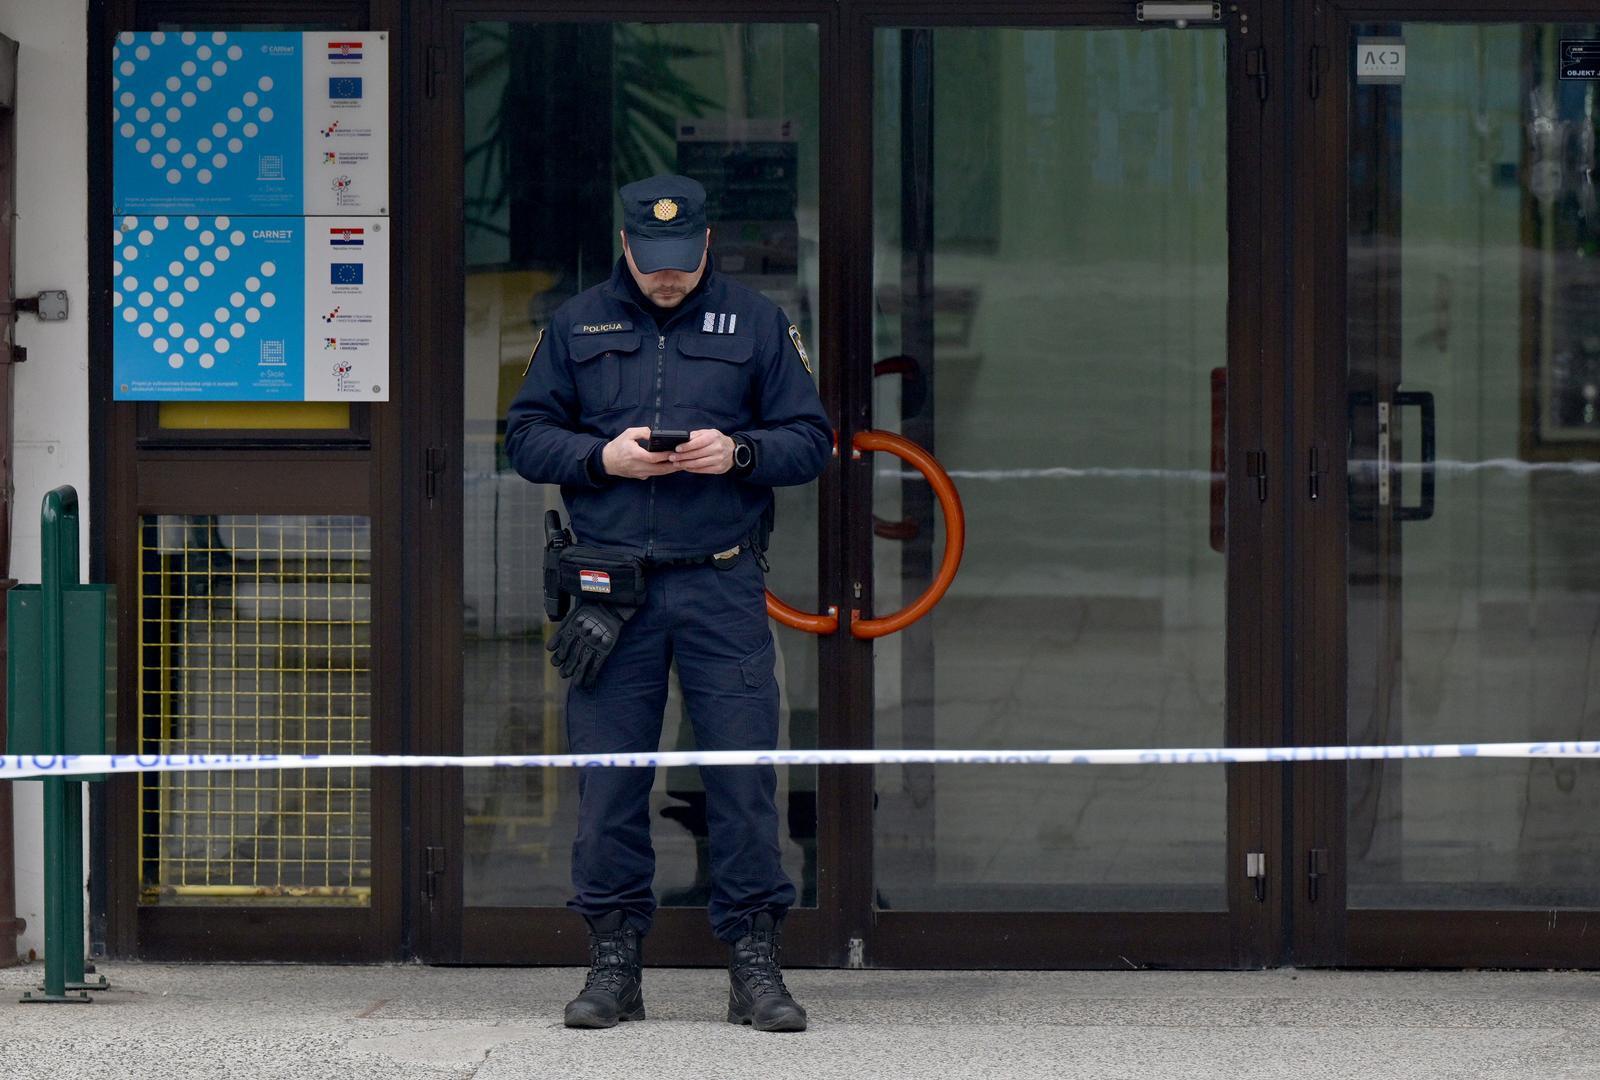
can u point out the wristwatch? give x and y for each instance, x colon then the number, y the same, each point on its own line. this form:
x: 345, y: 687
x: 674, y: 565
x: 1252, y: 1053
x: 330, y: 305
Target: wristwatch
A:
x: 744, y: 455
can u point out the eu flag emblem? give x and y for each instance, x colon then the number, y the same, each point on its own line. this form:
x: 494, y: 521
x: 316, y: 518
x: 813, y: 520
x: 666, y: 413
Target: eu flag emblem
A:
x: 344, y: 87
x: 347, y: 274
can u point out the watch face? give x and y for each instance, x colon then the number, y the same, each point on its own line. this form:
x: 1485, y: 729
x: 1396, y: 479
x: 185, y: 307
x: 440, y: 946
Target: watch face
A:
x: 741, y: 454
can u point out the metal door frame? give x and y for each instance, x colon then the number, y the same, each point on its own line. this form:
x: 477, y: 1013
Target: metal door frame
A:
x: 1325, y: 931
x: 1249, y: 933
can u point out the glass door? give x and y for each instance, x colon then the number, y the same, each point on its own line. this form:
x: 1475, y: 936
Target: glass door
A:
x: 1058, y: 240
x: 1033, y: 246
x: 1464, y: 379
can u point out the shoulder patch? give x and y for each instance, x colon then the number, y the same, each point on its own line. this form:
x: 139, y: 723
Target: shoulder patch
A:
x: 601, y: 328
x: 800, y: 347
x: 536, y: 343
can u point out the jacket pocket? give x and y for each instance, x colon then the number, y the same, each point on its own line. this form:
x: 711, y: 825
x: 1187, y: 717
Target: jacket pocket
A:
x: 714, y: 373
x: 606, y: 368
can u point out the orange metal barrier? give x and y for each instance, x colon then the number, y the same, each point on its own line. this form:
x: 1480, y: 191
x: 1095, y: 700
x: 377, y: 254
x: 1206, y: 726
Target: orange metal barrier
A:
x: 955, y: 537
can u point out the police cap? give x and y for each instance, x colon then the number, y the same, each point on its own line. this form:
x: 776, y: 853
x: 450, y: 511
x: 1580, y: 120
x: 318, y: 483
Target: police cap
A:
x: 665, y: 219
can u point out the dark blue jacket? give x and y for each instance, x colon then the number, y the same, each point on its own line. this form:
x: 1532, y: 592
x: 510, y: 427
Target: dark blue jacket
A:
x: 725, y: 359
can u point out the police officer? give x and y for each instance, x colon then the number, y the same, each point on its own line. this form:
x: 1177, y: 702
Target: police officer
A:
x: 669, y: 344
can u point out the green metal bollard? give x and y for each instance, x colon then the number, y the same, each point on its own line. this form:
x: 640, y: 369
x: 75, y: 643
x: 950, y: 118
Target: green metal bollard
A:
x: 57, y: 730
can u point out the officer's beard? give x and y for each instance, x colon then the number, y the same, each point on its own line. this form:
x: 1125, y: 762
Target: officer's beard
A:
x: 667, y: 296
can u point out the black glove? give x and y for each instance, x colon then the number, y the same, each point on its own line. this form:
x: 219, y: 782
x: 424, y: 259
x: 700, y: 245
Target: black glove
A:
x: 586, y: 638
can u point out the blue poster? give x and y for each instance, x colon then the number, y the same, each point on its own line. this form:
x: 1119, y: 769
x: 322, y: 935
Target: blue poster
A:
x: 250, y: 183
x: 221, y: 308
x: 208, y: 122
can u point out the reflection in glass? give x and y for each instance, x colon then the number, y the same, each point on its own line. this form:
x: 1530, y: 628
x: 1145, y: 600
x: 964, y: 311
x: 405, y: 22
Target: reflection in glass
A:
x: 1474, y: 607
x: 558, y: 116
x: 1050, y: 304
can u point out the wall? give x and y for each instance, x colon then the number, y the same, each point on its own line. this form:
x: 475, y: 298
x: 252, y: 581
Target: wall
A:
x: 52, y: 253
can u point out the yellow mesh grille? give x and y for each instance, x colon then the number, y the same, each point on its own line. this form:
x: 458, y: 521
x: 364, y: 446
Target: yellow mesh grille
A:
x: 255, y: 636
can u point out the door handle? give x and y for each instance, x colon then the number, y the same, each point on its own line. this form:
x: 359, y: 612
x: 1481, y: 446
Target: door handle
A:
x: 955, y: 531
x: 1371, y: 482
x: 805, y: 621
x: 1424, y: 401
x: 955, y: 540
x: 914, y: 385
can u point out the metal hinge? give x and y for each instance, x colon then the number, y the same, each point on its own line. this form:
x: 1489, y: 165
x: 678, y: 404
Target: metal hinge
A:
x: 1255, y: 467
x: 857, y: 956
x: 433, y: 865
x: 1255, y: 868
x: 49, y: 306
x: 1383, y: 453
x: 1255, y: 67
x: 1315, y: 475
x: 433, y: 68
x: 432, y: 466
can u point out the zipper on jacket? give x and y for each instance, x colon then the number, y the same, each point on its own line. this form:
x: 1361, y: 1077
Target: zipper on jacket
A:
x: 650, y: 509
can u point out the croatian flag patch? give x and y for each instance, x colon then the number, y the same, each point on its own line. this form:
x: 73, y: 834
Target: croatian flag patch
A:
x: 594, y: 581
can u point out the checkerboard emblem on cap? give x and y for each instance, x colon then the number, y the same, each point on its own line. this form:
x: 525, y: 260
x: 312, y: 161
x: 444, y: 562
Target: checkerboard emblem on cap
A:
x: 666, y: 210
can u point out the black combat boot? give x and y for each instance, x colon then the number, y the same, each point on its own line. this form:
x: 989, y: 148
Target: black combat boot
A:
x: 756, y: 994
x: 612, y: 991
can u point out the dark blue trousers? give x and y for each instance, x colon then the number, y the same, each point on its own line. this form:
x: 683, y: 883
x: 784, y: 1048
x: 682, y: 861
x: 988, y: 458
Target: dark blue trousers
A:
x: 714, y: 623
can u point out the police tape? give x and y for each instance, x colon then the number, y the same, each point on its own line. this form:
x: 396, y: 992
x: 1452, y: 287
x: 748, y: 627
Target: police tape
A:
x: 32, y: 767
x: 1440, y: 466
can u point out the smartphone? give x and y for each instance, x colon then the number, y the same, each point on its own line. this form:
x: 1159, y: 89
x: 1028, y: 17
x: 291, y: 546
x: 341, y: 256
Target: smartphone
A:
x: 663, y: 440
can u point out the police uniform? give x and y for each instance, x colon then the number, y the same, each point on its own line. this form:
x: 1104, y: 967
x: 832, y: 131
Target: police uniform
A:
x: 724, y: 358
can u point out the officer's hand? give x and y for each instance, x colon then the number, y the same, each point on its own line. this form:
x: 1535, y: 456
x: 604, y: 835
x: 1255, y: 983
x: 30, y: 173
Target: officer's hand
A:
x: 623, y: 456
x: 586, y: 638
x: 708, y: 452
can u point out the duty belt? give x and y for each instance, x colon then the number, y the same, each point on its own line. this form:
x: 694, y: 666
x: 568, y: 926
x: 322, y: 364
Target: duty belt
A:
x: 721, y: 559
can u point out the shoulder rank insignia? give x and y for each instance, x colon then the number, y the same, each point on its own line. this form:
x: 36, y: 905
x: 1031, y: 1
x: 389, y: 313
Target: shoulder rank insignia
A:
x: 536, y: 343
x: 800, y: 347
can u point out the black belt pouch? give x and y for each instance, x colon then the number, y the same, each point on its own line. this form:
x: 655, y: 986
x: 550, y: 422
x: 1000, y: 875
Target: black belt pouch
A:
x: 602, y: 574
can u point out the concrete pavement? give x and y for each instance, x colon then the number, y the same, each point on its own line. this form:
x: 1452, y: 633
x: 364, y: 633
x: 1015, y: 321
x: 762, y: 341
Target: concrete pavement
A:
x: 166, y: 1022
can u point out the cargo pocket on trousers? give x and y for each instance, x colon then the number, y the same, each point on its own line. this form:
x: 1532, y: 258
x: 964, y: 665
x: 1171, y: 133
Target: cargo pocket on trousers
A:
x: 757, y: 667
